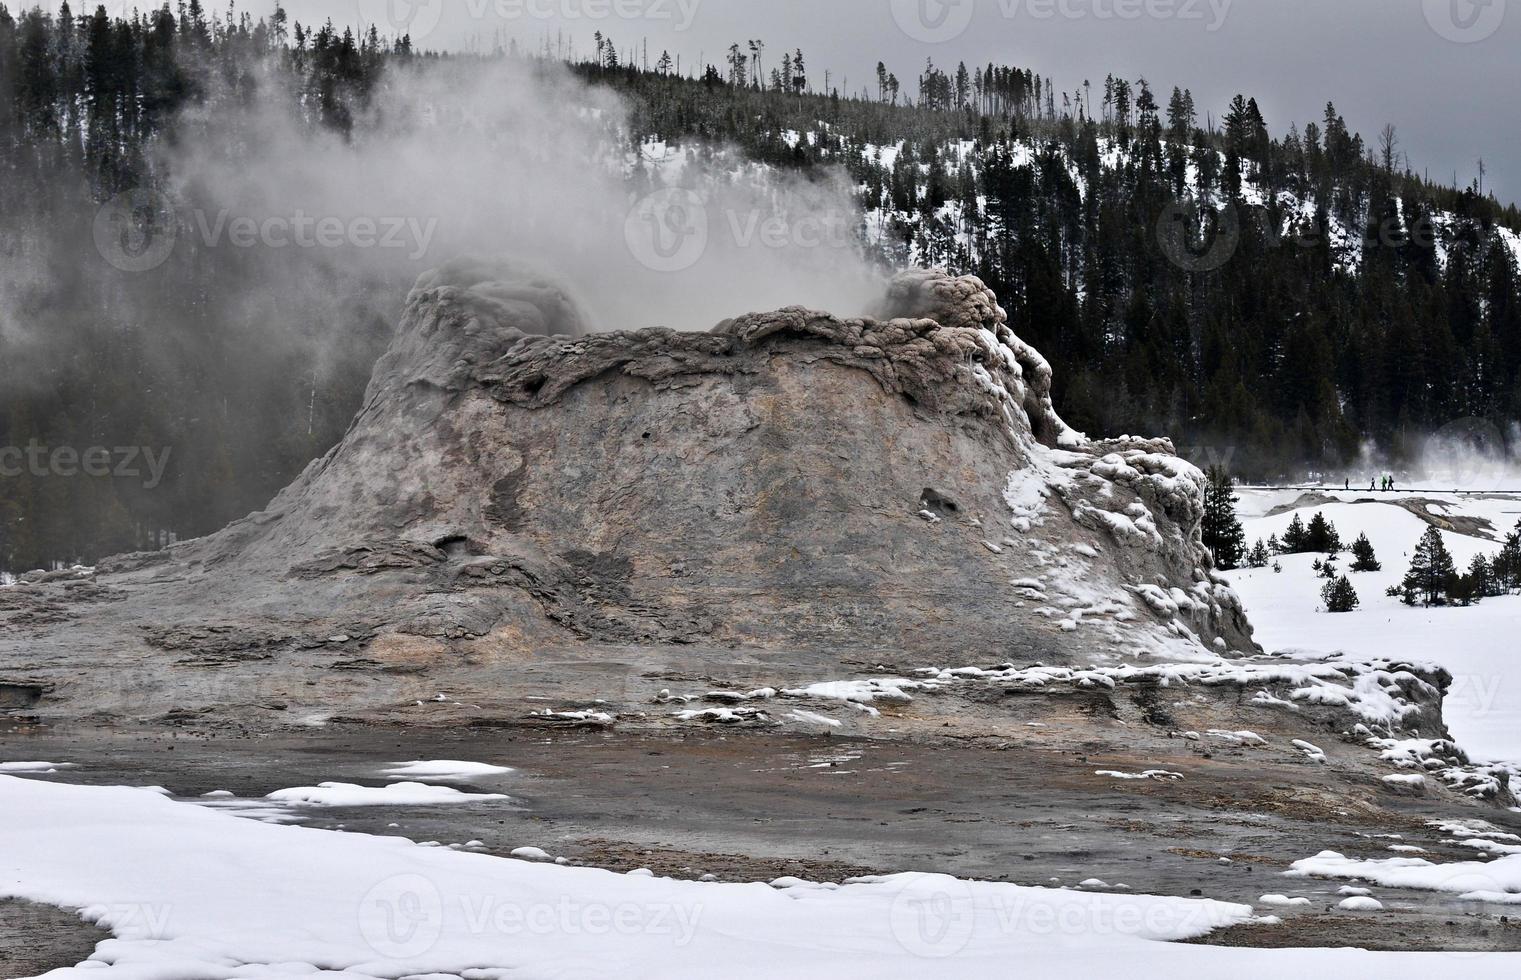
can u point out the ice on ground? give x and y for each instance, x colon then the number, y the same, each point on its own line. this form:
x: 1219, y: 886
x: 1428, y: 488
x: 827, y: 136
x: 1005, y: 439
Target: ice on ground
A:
x: 427, y: 770
x: 811, y: 718
x: 1161, y: 775
x: 394, y: 794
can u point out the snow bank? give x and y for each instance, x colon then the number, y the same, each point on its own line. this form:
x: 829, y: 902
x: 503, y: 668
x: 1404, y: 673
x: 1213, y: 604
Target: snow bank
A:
x: 1497, y: 881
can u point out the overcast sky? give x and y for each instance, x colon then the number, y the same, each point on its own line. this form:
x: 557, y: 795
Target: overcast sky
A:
x: 1447, y: 73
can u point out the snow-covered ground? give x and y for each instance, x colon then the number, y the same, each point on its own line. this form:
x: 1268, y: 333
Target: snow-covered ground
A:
x: 1477, y: 644
x: 192, y: 892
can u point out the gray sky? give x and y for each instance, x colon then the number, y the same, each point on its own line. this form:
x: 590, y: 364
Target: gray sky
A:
x: 1447, y: 73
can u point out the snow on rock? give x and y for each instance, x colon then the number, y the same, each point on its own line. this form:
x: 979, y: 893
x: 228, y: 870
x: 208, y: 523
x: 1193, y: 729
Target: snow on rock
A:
x: 1360, y: 904
x: 1312, y: 751
x: 1160, y: 775
x: 34, y: 768
x: 722, y: 716
x: 394, y: 794
x: 531, y: 854
x: 1283, y: 901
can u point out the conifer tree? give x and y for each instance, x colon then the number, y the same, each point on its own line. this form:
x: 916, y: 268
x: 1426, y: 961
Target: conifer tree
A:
x: 1339, y: 596
x: 1321, y: 536
x: 1223, y: 534
x: 1431, y: 571
x: 1295, y: 538
x: 1365, y: 560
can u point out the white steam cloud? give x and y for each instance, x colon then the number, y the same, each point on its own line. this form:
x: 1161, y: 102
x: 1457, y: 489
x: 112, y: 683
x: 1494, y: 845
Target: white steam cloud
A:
x: 518, y: 158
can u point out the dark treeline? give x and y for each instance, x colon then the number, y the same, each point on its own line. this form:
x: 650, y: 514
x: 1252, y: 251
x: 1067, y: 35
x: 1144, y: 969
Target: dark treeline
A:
x: 1288, y: 355
x: 1360, y: 302
x: 181, y: 362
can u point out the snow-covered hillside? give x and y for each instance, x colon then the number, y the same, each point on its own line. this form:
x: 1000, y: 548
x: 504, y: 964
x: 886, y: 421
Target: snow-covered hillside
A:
x: 1477, y: 644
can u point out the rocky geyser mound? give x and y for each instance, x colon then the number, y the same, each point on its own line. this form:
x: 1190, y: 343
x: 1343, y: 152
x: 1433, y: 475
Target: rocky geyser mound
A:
x: 789, y: 480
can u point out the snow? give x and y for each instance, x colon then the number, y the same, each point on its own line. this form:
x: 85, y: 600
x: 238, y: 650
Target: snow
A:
x: 445, y: 769
x: 1360, y: 904
x: 531, y: 854
x: 1160, y: 775
x: 1476, y: 644
x: 189, y: 892
x: 34, y: 768
x: 394, y: 794
x: 1312, y: 751
x: 1282, y: 901
x: 1497, y: 881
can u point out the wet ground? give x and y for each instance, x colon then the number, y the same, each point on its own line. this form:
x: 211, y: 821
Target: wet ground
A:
x: 755, y: 806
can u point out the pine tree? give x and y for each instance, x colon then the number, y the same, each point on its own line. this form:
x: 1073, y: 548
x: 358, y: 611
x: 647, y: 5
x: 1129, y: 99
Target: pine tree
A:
x: 1365, y: 559
x: 1296, y: 538
x: 1339, y: 596
x: 1506, y: 567
x: 1481, y: 578
x: 1322, y: 536
x: 1431, y: 571
x: 1223, y: 534
x: 1258, y: 557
